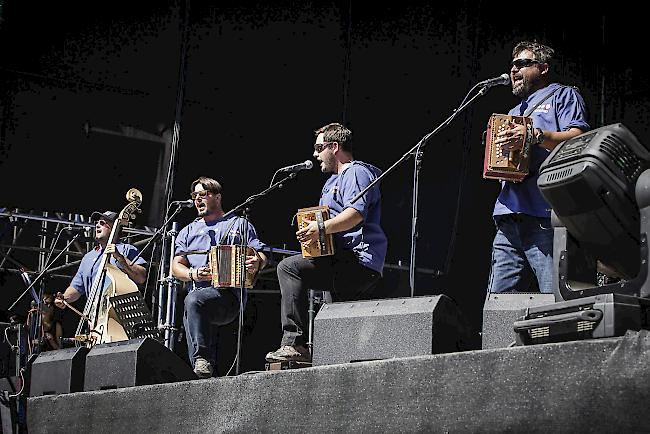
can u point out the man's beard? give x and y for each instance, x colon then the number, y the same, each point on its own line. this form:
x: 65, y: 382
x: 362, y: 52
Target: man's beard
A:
x: 524, y: 88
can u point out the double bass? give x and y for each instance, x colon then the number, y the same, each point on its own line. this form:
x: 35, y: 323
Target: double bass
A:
x: 99, y: 317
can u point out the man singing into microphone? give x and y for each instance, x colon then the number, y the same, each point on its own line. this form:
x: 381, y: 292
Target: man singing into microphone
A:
x: 206, y: 305
x: 523, y: 245
x: 360, y: 249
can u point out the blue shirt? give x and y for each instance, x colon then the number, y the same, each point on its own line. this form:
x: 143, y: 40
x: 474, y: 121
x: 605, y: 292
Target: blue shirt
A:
x: 367, y: 239
x: 200, y: 235
x: 83, y: 280
x: 560, y: 112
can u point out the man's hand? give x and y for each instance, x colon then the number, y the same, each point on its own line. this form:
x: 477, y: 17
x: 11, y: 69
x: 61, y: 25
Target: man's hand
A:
x: 512, y: 138
x: 203, y: 273
x: 309, y: 233
x: 110, y: 249
x: 58, y: 301
x: 253, y: 263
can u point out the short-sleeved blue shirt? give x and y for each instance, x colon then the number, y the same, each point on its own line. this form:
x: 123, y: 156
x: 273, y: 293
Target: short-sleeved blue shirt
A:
x: 83, y: 280
x: 200, y: 236
x: 367, y: 239
x: 561, y: 112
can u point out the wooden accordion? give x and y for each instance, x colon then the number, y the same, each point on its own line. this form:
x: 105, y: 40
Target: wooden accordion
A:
x: 226, y: 265
x: 502, y: 164
x: 325, y: 244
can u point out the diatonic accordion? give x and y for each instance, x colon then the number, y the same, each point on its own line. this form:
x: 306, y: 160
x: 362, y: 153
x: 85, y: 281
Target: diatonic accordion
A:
x: 500, y: 163
x: 226, y: 263
x: 325, y: 244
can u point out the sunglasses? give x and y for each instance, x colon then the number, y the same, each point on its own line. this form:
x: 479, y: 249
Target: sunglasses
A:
x: 202, y: 193
x: 102, y: 222
x: 523, y: 63
x: 318, y: 147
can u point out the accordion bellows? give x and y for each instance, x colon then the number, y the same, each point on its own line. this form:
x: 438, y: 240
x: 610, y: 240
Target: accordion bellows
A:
x: 500, y: 163
x: 325, y: 244
x: 226, y: 265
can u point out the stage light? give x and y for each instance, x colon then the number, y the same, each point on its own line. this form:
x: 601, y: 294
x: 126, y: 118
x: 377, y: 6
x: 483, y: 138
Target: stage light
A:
x: 590, y: 182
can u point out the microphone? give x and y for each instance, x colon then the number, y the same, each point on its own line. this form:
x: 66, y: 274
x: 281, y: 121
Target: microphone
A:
x: 298, y: 167
x: 189, y: 203
x: 74, y: 228
x: 502, y: 79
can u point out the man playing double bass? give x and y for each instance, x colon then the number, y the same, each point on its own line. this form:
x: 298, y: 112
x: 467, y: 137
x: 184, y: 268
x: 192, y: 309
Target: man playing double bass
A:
x: 121, y: 256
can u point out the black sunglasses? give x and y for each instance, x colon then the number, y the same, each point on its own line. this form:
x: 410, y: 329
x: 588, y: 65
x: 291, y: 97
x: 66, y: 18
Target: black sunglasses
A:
x: 523, y: 63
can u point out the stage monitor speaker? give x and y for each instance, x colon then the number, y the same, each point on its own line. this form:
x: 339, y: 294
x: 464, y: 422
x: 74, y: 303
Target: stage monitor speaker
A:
x: 382, y: 329
x: 500, y: 312
x: 135, y: 362
x: 58, y: 371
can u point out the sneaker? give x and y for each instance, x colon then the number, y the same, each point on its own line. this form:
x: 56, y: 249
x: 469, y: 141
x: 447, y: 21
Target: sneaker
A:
x: 285, y: 353
x: 202, y: 368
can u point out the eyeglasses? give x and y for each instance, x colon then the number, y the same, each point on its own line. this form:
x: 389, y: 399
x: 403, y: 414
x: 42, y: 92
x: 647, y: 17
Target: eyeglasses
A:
x: 318, y: 147
x: 102, y: 222
x: 202, y: 193
x: 523, y: 63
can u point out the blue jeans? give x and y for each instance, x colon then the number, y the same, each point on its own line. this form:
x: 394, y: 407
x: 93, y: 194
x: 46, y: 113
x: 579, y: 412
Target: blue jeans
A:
x: 522, y: 251
x: 204, y: 308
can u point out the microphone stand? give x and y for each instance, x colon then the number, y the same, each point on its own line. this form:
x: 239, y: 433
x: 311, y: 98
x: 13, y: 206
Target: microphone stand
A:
x: 47, y: 267
x: 244, y: 209
x: 417, y: 150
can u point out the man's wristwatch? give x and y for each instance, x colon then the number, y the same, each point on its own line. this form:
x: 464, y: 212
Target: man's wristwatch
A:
x: 539, y: 136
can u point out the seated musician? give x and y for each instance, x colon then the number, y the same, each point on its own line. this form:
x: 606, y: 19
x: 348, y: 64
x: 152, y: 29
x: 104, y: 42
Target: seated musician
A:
x: 122, y: 254
x: 360, y: 243
x: 206, y: 305
x: 523, y: 245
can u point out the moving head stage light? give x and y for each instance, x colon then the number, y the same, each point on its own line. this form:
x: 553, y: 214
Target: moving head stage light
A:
x: 598, y: 186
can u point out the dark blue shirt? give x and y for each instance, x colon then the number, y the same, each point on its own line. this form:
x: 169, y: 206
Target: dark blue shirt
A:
x: 367, y: 239
x: 561, y: 112
x: 83, y: 280
x: 200, y: 236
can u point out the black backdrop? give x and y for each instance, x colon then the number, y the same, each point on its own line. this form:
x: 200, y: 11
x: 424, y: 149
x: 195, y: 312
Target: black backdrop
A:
x: 260, y: 78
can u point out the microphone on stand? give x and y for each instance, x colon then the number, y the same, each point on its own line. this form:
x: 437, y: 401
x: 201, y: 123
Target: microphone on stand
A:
x: 298, y: 167
x: 502, y: 79
x: 74, y: 228
x: 189, y: 203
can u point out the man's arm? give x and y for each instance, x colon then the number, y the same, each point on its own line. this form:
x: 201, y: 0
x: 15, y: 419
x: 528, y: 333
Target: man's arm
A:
x: 554, y: 138
x: 136, y: 272
x: 346, y: 220
x: 70, y: 295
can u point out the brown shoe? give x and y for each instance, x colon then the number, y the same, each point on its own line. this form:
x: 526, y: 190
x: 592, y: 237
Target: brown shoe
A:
x: 296, y: 353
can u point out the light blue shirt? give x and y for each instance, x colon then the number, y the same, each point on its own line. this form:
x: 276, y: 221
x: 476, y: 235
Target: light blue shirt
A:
x: 83, y: 280
x: 560, y: 112
x: 367, y: 239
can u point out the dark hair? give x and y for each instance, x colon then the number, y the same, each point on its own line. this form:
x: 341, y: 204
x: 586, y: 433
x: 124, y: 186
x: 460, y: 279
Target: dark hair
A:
x: 336, y: 132
x: 543, y: 53
x: 208, y: 184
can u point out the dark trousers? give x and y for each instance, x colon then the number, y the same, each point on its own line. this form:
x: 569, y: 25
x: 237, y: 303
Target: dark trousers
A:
x: 341, y: 274
x: 206, y: 308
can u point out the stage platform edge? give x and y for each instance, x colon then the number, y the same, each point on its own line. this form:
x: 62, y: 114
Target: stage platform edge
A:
x: 598, y: 385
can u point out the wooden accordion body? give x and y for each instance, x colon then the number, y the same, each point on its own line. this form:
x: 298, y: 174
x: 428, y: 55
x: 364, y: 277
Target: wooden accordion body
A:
x: 226, y: 265
x: 325, y: 244
x: 499, y: 163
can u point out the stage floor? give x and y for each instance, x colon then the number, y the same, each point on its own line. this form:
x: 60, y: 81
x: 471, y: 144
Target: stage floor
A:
x: 584, y: 386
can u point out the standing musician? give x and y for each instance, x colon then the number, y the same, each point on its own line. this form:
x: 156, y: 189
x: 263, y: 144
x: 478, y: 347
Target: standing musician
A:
x: 360, y: 249
x: 523, y: 245
x: 121, y: 256
x: 206, y: 305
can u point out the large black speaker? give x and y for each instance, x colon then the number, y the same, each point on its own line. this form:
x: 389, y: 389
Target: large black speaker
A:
x: 58, y: 371
x: 135, y: 362
x: 500, y: 312
x: 383, y: 329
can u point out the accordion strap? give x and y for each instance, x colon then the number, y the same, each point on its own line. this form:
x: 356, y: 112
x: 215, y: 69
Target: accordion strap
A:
x: 547, y: 96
